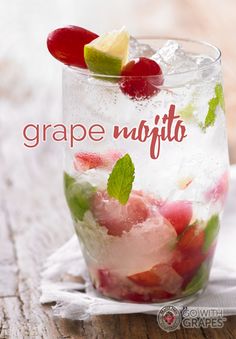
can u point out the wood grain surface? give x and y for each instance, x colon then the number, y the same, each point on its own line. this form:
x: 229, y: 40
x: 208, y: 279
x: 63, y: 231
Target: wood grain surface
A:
x: 34, y: 220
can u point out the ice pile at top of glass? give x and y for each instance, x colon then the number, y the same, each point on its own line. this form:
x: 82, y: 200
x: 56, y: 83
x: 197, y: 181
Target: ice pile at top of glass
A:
x: 145, y: 201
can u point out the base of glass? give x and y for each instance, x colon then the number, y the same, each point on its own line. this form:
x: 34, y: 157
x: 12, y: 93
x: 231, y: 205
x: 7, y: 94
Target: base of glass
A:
x: 177, y: 302
x: 181, y: 302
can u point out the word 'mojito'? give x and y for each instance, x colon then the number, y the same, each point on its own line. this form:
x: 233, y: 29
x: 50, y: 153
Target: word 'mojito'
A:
x: 169, y: 127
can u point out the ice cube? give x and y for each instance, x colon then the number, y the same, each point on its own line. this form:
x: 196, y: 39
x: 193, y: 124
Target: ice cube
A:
x: 165, y: 55
x: 202, y: 60
x: 172, y: 58
x: 206, y: 67
x: 138, y: 49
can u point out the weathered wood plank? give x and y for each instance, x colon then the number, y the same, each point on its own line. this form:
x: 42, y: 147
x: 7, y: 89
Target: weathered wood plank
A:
x: 30, y: 229
x: 12, y: 322
x: 228, y: 331
x: 8, y: 267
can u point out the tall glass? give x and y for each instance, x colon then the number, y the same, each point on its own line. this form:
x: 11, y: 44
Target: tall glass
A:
x: 153, y: 242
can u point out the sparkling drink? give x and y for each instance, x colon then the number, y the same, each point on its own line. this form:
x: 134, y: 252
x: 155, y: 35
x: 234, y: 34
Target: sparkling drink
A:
x: 147, y: 177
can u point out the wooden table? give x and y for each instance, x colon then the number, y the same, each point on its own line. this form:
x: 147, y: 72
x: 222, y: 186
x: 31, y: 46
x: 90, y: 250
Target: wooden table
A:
x: 34, y: 219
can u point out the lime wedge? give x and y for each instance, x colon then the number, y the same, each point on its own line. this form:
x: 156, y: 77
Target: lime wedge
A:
x: 108, y: 53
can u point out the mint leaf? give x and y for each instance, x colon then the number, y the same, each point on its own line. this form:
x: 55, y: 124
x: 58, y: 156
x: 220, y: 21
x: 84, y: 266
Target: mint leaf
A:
x: 220, y: 95
x: 211, y: 114
x: 198, y: 281
x: 218, y: 99
x: 211, y: 231
x: 121, y: 179
x: 78, y: 196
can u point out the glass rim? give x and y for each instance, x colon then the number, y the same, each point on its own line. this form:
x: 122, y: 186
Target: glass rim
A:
x: 85, y: 72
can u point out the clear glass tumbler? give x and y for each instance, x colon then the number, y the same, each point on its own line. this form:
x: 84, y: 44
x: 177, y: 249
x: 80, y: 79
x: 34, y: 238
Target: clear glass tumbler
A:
x: 146, y: 179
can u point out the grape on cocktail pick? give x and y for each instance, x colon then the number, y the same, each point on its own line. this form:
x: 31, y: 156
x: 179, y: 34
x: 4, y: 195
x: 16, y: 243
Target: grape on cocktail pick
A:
x: 66, y: 44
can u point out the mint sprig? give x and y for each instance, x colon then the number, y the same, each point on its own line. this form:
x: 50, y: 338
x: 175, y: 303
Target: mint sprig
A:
x: 121, y: 179
x: 78, y: 196
x: 211, y: 114
x: 213, y: 103
x: 220, y: 95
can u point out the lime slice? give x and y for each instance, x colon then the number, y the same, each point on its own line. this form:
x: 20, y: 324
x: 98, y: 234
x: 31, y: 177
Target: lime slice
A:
x: 108, y: 53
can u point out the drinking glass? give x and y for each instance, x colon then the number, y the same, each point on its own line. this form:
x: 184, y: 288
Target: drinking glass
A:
x: 146, y: 177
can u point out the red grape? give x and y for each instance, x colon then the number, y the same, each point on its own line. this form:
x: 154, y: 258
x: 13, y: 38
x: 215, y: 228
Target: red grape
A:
x: 66, y: 44
x: 141, y: 78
